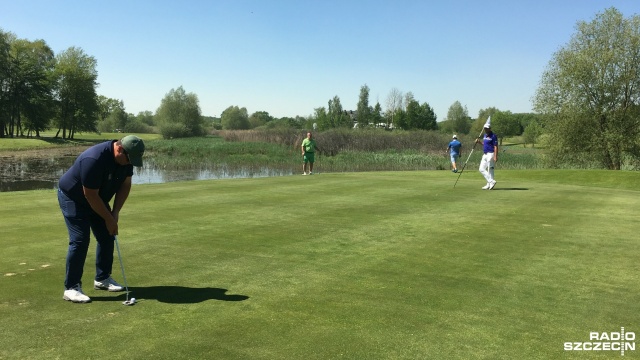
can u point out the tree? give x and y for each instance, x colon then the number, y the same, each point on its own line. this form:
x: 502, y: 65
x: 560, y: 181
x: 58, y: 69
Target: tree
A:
x: 417, y: 116
x: 408, y: 97
x: 394, y: 103
x: 478, y: 125
x: 29, y: 86
x: 141, y: 123
x: 106, y: 106
x: 76, y: 77
x: 590, y: 93
x: 111, y: 114
x: 320, y: 117
x: 119, y: 117
x: 336, y: 115
x: 179, y: 115
x: 406, y: 115
x: 458, y: 118
x: 284, y: 123
x: 146, y: 117
x: 4, y: 80
x: 504, y: 124
x: 400, y: 119
x: 376, y: 114
x: 412, y: 112
x: 524, y: 119
x: 259, y: 118
x: 531, y: 133
x: 427, y: 118
x: 235, y: 118
x: 363, y: 111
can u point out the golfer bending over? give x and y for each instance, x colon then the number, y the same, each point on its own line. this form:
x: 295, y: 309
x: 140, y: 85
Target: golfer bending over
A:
x: 84, y: 192
x: 490, y: 157
x: 309, y: 148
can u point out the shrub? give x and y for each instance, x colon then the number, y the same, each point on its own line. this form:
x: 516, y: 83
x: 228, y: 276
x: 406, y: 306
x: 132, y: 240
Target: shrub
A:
x: 138, y: 126
x: 174, y: 131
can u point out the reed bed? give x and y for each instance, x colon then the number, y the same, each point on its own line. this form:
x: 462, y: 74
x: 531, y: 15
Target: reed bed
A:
x: 349, y: 161
x: 335, y: 141
x: 341, y: 151
x: 207, y: 152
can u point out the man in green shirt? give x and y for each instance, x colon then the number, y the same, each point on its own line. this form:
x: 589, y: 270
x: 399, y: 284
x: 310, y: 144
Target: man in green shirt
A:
x: 309, y: 148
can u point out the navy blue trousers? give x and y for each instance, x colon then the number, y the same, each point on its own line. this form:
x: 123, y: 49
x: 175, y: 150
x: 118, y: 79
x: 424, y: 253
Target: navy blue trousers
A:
x: 80, y: 220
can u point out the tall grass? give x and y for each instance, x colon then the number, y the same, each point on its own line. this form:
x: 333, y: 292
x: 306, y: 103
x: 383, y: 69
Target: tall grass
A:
x: 381, y: 161
x: 341, y: 151
x: 517, y: 158
x: 334, y: 141
x: 212, y: 152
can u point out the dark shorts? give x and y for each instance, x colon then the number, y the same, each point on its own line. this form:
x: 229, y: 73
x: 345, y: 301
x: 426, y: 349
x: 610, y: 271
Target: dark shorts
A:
x: 309, y: 157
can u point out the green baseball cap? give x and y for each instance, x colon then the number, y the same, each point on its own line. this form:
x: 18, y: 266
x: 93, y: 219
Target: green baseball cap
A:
x: 134, y: 146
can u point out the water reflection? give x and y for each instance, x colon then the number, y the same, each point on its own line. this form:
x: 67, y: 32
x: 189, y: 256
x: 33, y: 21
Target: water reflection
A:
x: 152, y: 175
x: 34, y: 174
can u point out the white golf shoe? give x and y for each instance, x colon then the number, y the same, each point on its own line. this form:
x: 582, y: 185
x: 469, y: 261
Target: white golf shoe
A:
x: 76, y: 295
x: 486, y: 187
x: 107, y: 284
x: 492, y: 184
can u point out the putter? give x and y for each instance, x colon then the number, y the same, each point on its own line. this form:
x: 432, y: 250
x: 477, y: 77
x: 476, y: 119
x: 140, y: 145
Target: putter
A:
x: 133, y: 300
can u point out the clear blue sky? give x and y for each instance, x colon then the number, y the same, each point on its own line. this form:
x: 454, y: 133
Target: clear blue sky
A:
x: 288, y: 57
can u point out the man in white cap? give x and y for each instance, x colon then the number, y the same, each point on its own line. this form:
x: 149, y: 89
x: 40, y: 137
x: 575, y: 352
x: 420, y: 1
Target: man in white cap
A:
x: 454, y: 152
x: 490, y: 157
x: 100, y: 173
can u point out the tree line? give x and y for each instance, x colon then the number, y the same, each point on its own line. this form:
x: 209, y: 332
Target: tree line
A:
x: 39, y: 89
x: 587, y: 104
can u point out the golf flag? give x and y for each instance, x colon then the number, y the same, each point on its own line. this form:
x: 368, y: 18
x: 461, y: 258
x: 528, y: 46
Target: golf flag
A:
x: 488, y: 123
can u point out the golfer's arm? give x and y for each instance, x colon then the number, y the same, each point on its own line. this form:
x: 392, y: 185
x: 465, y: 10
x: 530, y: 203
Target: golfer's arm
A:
x: 495, y: 152
x: 96, y: 203
x: 122, y: 195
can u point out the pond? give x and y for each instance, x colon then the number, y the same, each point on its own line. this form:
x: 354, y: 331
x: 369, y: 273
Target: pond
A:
x: 20, y: 174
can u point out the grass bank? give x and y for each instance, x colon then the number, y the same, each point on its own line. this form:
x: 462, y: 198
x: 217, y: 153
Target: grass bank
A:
x: 48, y: 140
x: 370, y: 265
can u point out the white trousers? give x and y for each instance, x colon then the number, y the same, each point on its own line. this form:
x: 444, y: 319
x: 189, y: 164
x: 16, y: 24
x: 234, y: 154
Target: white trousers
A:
x: 487, y: 166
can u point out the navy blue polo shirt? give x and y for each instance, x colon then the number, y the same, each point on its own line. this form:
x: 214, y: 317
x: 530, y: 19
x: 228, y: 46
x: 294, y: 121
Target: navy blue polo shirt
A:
x: 95, y: 168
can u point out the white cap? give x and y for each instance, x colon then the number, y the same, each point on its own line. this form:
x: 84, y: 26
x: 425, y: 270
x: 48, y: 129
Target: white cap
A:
x: 455, y: 136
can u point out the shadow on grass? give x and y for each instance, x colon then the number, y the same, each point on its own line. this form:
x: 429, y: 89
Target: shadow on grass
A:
x: 174, y: 295
x: 61, y: 141
x: 520, y: 189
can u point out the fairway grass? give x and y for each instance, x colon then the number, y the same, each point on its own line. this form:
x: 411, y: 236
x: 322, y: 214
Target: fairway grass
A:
x: 372, y: 265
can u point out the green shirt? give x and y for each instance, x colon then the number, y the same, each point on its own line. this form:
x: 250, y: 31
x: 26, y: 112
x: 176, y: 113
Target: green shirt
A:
x: 309, y: 145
